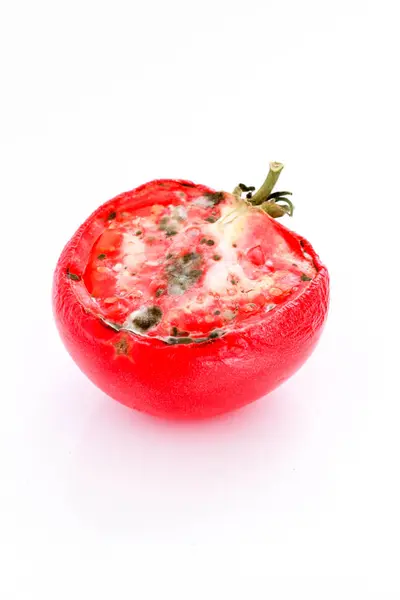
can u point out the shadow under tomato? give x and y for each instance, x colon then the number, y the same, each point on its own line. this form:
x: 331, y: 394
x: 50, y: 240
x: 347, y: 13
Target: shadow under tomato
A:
x: 132, y: 474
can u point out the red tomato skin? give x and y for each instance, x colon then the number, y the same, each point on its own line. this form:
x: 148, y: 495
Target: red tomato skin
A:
x: 185, y: 381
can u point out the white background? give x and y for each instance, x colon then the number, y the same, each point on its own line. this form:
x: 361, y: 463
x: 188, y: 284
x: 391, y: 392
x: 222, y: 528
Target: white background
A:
x: 296, y: 496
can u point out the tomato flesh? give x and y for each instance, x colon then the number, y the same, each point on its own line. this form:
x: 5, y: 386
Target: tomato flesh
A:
x: 192, y: 266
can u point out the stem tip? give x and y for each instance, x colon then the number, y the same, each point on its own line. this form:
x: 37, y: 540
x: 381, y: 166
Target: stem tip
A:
x: 276, y: 167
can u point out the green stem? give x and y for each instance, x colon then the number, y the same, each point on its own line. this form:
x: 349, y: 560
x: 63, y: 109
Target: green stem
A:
x: 262, y: 194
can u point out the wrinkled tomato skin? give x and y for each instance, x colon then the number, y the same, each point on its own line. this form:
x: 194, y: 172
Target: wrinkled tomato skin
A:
x: 184, y: 381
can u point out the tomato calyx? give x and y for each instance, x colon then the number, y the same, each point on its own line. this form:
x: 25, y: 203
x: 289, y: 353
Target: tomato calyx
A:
x: 275, y: 204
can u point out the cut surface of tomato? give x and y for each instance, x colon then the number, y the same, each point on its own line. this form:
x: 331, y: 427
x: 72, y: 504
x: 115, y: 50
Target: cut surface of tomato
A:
x: 192, y: 265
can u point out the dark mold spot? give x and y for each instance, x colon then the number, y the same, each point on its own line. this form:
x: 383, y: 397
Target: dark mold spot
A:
x: 122, y: 346
x: 183, y: 273
x: 73, y: 276
x: 215, y: 197
x: 163, y: 223
x: 147, y: 318
x: 173, y: 341
x: 190, y: 256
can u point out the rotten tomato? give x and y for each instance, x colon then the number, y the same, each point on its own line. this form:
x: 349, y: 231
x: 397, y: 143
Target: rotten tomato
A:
x: 182, y: 301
